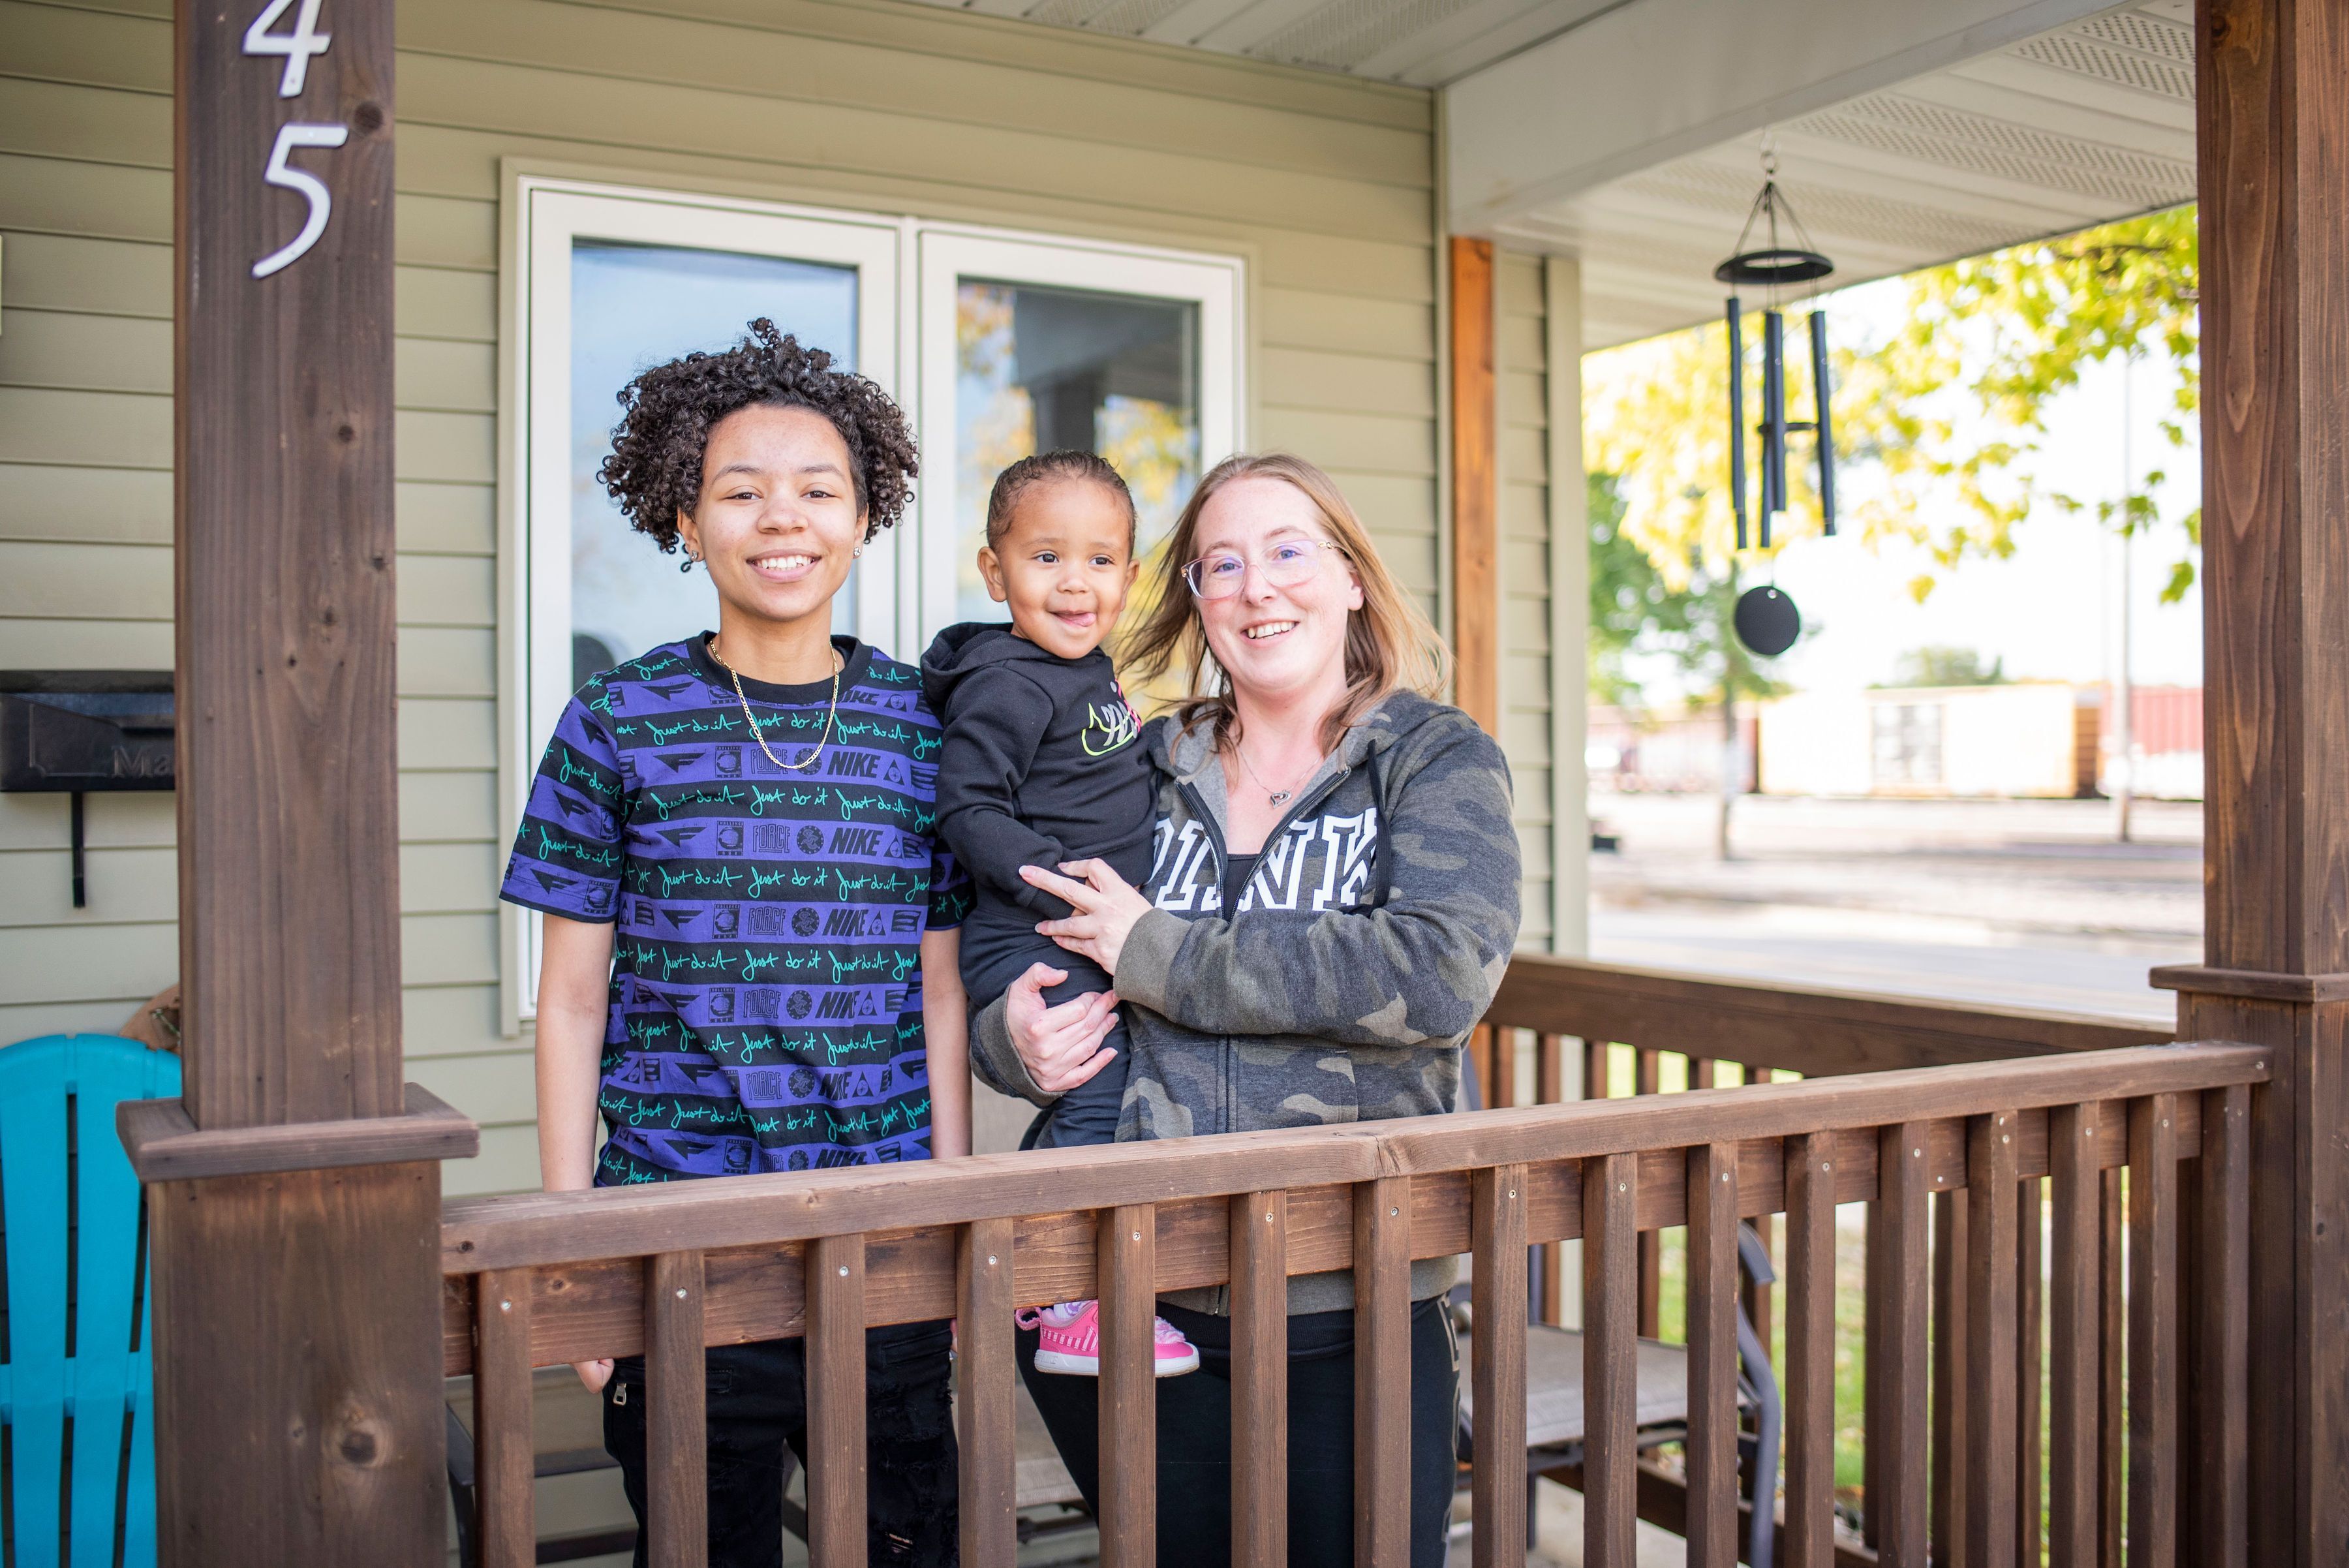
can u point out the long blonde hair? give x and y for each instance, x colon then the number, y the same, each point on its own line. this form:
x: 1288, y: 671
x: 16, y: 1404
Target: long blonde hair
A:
x: 1390, y: 644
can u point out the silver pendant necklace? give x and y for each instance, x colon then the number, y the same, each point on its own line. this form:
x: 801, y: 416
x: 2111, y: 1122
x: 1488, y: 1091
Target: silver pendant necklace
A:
x: 1277, y: 797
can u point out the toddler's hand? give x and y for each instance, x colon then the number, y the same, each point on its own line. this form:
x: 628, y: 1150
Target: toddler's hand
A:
x: 594, y: 1373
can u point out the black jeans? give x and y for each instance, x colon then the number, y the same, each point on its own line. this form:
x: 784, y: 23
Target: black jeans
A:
x: 1195, y: 1438
x: 758, y: 1403
x: 1087, y: 1115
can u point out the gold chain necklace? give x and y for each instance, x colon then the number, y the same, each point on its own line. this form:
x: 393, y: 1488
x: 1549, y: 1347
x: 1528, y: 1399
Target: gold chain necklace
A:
x: 838, y: 666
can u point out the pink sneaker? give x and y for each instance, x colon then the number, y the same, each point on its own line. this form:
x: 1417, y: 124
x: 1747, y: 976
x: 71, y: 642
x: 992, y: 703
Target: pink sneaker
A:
x: 1069, y: 1341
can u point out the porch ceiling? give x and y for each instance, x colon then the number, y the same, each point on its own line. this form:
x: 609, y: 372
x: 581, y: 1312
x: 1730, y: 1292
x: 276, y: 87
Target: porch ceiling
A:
x: 1629, y: 132
x: 1418, y: 43
x: 2090, y: 121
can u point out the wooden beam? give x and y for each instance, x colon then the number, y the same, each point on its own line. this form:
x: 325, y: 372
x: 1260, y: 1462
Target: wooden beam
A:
x: 288, y: 842
x: 1812, y: 1032
x: 1476, y: 488
x: 297, y: 1362
x: 292, y: 1315
x: 2272, y: 140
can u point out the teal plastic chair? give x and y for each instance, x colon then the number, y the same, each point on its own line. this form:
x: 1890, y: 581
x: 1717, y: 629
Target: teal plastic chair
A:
x: 76, y: 1266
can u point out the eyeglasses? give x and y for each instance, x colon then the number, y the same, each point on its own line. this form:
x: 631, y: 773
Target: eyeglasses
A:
x: 1285, y: 564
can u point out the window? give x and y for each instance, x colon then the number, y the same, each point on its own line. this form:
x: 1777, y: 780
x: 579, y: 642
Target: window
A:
x: 997, y: 345
x: 1031, y: 344
x: 630, y: 305
x: 611, y: 280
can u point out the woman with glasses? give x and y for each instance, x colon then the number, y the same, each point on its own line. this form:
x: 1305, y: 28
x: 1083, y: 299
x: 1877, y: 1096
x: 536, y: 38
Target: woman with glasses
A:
x: 1333, y: 899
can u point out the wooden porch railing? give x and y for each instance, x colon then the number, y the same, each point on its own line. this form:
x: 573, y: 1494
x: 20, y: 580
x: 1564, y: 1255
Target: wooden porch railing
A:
x: 544, y: 1279
x: 1759, y: 1031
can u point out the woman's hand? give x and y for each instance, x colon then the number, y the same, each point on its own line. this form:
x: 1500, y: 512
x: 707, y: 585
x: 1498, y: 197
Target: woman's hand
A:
x: 594, y: 1374
x: 1060, y: 1046
x: 1106, y: 907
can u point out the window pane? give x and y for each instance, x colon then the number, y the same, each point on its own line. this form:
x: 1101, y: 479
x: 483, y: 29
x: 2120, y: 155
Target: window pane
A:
x: 1040, y: 369
x: 637, y: 305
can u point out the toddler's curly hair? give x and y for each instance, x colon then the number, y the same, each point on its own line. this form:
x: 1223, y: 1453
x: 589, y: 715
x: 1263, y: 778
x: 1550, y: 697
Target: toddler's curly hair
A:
x: 654, y: 472
x: 1067, y: 463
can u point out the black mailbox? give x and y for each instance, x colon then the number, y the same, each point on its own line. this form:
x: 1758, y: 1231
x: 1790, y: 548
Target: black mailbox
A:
x: 76, y: 730
x: 85, y: 730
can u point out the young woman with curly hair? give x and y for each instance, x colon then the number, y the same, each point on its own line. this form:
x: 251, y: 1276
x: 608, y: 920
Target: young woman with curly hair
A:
x: 750, y: 959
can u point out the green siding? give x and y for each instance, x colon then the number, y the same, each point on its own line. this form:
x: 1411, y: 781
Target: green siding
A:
x: 1324, y: 184
x: 1520, y: 366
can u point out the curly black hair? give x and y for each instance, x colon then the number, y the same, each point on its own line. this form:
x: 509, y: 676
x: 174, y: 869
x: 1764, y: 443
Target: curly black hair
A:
x: 655, y: 469
x: 1067, y: 464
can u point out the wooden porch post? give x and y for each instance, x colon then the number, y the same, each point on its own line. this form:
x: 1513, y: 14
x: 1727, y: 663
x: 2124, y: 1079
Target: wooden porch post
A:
x: 2272, y: 83
x: 1476, y: 488
x: 294, y: 1191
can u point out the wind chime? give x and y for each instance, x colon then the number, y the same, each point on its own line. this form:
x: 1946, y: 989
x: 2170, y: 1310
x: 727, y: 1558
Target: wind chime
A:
x: 1766, y: 619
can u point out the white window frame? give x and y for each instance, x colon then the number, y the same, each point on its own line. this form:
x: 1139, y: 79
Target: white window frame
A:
x: 908, y: 273
x: 550, y: 214
x: 948, y: 254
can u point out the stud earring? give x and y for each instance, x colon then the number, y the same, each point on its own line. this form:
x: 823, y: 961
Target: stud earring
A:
x: 852, y: 554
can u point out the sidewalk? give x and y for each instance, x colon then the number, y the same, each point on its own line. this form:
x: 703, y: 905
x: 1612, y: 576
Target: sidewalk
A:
x: 2027, y: 903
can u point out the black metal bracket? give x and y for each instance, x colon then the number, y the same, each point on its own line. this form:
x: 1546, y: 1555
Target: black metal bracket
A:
x: 72, y: 732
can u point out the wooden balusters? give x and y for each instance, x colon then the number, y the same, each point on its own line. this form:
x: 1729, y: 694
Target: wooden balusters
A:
x: 2153, y: 1358
x: 1501, y: 1087
x: 1498, y: 1233
x: 1260, y: 1252
x: 1874, y: 1289
x: 1383, y: 1372
x: 1765, y: 1228
x: 1904, y: 1226
x: 1598, y: 1072
x: 2111, y: 1359
x: 2029, y: 1214
x: 1126, y: 1256
x: 1810, y: 1350
x: 1610, y: 1306
x: 1711, y: 1354
x: 986, y: 1419
x: 836, y: 1400
x: 505, y: 1527
x: 1549, y: 1069
x: 677, y: 1429
x: 1699, y: 1071
x: 1549, y: 1089
x: 1990, y: 1384
x: 1644, y: 1076
x: 2075, y: 1320
x: 2221, y: 1370
x: 1953, y: 1326
x: 1950, y: 1452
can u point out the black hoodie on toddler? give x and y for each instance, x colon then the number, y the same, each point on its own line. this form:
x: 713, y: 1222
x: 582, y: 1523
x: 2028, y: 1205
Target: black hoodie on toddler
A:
x: 1042, y: 764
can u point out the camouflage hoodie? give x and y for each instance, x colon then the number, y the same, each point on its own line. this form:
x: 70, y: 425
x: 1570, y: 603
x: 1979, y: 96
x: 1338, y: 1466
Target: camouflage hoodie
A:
x: 1378, y: 922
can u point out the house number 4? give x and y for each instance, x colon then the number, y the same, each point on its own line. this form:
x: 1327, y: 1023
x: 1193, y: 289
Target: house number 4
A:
x: 296, y: 48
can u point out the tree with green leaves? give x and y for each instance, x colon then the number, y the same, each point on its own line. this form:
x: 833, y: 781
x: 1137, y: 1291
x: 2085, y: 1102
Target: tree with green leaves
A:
x: 1947, y: 666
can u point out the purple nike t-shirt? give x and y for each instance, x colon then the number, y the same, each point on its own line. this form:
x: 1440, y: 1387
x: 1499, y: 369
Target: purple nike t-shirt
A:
x: 766, y: 1001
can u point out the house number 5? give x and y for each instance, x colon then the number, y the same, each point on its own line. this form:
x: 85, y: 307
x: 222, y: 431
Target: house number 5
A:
x: 296, y: 48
